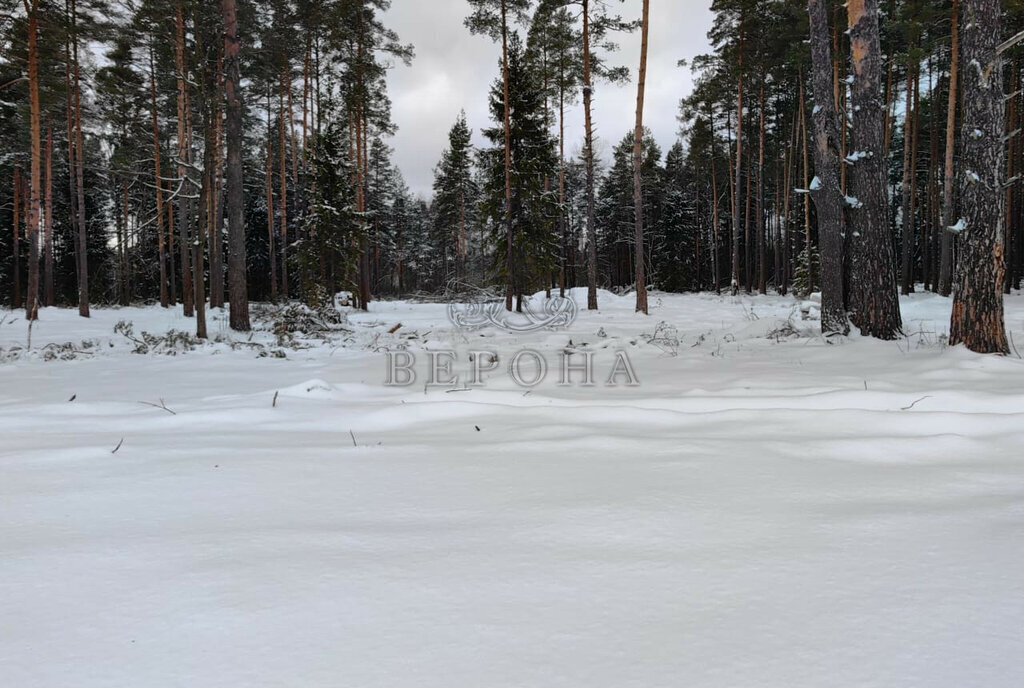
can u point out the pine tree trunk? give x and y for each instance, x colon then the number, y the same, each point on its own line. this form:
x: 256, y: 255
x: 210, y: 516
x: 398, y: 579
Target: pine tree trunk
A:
x: 70, y: 119
x: 977, y: 319
x: 563, y: 226
x: 738, y: 182
x: 827, y: 196
x: 172, y: 269
x: 588, y: 154
x: 16, y: 298
x: 762, y: 268
x: 158, y: 183
x: 215, y: 224
x: 83, y: 245
x: 184, y: 238
x: 874, y: 299
x: 638, y: 194
x: 510, y: 266
x: 48, y: 294
x: 1012, y: 247
x: 269, y: 178
x: 804, y: 135
x: 283, y: 193
x: 35, y: 181
x: 714, y: 226
x: 238, y: 289
x: 907, y: 203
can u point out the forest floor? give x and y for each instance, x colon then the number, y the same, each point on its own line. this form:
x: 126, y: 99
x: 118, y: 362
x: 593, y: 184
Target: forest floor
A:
x: 766, y: 508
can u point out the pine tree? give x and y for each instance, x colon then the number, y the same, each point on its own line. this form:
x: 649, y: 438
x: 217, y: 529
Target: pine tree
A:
x: 493, y: 18
x: 455, y: 196
x: 532, y: 157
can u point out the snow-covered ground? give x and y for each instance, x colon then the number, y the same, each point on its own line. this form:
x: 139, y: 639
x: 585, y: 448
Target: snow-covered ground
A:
x: 767, y: 508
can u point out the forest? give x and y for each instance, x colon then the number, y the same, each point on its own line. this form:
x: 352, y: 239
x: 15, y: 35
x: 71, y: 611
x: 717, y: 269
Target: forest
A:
x: 198, y: 154
x: 511, y: 343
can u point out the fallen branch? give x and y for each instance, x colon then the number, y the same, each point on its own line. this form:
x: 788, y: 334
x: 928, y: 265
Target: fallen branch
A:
x: 907, y: 408
x: 161, y: 405
x: 118, y: 446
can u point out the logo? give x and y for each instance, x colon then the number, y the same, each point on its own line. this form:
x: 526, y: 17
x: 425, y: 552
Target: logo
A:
x: 555, y: 313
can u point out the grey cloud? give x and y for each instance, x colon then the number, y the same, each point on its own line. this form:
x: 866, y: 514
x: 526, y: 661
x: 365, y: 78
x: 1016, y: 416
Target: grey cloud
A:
x: 454, y: 69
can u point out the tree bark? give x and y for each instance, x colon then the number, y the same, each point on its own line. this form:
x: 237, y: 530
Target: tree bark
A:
x: 83, y: 245
x: 184, y: 238
x: 762, y: 268
x: 638, y: 147
x: 738, y: 182
x: 827, y: 195
x: 283, y: 194
x: 977, y: 320
x: 158, y: 183
x: 907, y: 228
x: 48, y: 293
x: 16, y: 297
x: 588, y: 154
x: 35, y: 182
x: 510, y: 265
x: 874, y: 299
x: 238, y: 290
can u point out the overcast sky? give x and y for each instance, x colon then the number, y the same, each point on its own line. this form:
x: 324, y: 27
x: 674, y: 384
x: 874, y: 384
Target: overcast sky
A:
x: 454, y: 69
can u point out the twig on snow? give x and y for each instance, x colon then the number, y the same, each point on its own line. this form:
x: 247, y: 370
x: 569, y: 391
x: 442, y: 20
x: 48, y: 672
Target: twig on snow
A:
x: 161, y: 405
x: 907, y: 408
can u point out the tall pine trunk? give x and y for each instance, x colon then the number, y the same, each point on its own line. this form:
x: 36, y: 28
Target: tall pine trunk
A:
x: 874, y: 299
x: 977, y: 319
x: 48, y: 293
x: 588, y: 154
x: 638, y: 147
x: 16, y: 298
x: 83, y: 246
x: 158, y: 183
x: 238, y: 291
x: 510, y: 266
x: 738, y: 182
x: 35, y: 181
x: 283, y: 194
x: 828, y: 198
x: 907, y: 204
x: 762, y: 268
x: 183, y: 214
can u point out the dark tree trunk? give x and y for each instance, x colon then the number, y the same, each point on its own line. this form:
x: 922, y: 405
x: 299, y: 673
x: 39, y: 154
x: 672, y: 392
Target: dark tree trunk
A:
x: 238, y: 291
x: 35, y: 180
x: 638, y: 147
x: 738, y: 182
x: 828, y: 198
x: 184, y: 216
x: 83, y: 251
x: 588, y: 154
x: 510, y: 266
x: 48, y: 293
x: 874, y: 299
x: 16, y: 299
x: 762, y: 268
x: 977, y: 320
x: 158, y: 183
x: 907, y: 205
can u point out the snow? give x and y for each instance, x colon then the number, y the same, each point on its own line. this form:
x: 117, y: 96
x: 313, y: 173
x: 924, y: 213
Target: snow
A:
x: 815, y: 183
x: 853, y: 202
x: 959, y: 227
x: 767, y: 508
